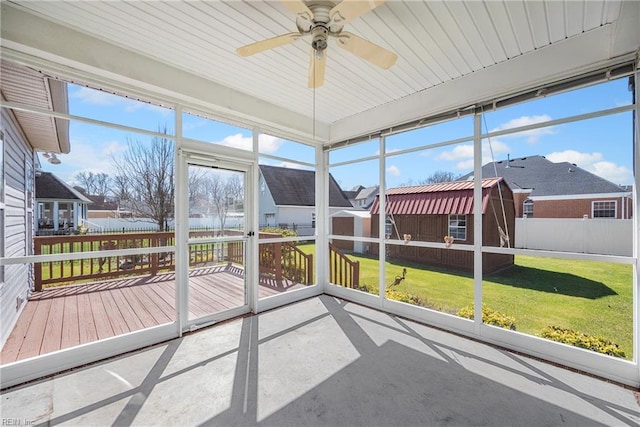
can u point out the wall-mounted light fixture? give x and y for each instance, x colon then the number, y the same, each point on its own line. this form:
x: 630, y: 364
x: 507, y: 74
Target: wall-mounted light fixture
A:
x: 52, y: 158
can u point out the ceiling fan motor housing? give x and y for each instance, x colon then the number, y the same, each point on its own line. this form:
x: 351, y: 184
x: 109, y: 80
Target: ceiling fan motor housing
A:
x: 319, y: 34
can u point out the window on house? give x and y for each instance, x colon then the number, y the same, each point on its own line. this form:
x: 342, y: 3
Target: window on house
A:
x: 527, y: 208
x: 604, y: 209
x: 388, y: 227
x: 269, y: 219
x: 458, y: 227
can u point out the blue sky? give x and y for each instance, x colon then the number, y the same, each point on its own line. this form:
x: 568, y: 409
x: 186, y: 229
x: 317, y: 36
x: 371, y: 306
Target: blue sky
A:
x: 602, y: 146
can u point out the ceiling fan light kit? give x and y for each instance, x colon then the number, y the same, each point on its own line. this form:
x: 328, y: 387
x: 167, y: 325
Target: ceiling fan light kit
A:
x: 324, y: 19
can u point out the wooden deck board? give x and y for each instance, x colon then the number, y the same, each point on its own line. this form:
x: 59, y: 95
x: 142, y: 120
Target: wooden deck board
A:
x: 65, y: 316
x: 70, y: 323
x: 35, y: 334
x: 86, y: 323
x: 16, y: 338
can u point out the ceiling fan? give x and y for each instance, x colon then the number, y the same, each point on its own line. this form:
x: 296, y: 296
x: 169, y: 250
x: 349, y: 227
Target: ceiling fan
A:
x: 323, y: 19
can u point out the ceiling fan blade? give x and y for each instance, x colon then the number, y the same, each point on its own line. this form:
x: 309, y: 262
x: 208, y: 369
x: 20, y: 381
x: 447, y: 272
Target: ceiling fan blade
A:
x: 371, y: 52
x: 316, y: 69
x: 348, y: 10
x: 298, y: 7
x: 263, y: 45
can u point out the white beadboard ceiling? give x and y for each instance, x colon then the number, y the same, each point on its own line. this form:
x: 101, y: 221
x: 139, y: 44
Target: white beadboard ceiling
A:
x: 450, y: 54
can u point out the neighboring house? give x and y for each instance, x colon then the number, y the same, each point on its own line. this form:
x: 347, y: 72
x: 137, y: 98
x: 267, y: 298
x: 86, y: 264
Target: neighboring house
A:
x: 61, y: 208
x: 21, y: 134
x: 544, y: 189
x: 287, y: 199
x: 430, y: 212
x: 103, y: 207
x: 366, y: 196
x: 352, y: 194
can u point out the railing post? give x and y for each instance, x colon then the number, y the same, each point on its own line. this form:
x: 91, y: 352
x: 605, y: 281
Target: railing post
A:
x: 355, y: 279
x: 309, y: 269
x: 277, y: 255
x: 37, y: 250
x: 154, y: 257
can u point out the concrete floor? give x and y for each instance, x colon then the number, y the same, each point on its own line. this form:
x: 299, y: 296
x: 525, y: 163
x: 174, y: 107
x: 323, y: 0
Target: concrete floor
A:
x: 322, y: 361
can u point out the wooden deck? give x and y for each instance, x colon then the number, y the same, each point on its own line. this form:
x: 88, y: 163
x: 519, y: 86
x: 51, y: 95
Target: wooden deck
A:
x: 66, y: 316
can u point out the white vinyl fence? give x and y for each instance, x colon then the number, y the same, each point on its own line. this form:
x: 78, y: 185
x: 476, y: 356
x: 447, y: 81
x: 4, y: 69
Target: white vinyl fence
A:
x: 120, y: 224
x: 593, y: 236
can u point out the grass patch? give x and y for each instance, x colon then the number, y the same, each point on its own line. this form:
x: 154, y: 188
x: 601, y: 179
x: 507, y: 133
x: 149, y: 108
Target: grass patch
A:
x: 594, y: 298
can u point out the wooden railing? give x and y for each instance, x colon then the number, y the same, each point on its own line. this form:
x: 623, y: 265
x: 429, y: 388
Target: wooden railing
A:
x: 285, y: 260
x: 294, y: 264
x: 342, y: 270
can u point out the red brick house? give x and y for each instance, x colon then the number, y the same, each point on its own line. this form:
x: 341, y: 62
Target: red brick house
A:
x: 544, y: 189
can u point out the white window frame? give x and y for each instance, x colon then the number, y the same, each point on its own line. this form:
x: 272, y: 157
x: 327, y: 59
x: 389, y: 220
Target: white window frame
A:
x: 615, y: 208
x: 456, y: 217
x: 525, y: 211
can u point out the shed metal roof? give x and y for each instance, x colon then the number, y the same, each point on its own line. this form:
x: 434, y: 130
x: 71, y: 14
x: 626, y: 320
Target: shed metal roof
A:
x: 445, y: 198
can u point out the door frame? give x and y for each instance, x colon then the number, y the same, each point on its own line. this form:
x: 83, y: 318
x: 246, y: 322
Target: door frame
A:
x: 213, y: 157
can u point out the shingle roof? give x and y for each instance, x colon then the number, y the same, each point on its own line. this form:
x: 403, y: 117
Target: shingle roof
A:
x: 296, y: 187
x: 454, y: 197
x: 366, y: 192
x: 50, y: 187
x: 547, y: 178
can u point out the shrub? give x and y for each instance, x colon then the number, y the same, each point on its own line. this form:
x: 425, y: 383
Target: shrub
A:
x: 578, y: 339
x: 281, y: 231
x: 408, y: 298
x: 490, y: 317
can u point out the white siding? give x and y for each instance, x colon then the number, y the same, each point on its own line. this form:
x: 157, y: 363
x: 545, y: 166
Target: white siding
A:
x: 18, y: 278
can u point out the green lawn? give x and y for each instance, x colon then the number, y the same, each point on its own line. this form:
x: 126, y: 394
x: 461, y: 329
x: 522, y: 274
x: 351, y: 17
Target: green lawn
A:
x: 591, y: 297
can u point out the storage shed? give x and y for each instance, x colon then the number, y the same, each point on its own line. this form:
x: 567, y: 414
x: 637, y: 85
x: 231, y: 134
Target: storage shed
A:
x: 430, y: 212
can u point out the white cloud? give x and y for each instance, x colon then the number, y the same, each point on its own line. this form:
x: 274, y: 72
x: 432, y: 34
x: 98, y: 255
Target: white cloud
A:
x: 95, y: 97
x: 267, y: 143
x: 596, y: 164
x: 393, y: 170
x: 532, y: 135
x: 463, y: 154
x: 105, y: 99
x: 237, y: 141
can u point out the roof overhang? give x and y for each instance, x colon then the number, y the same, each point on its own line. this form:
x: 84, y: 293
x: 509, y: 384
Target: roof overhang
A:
x: 23, y: 85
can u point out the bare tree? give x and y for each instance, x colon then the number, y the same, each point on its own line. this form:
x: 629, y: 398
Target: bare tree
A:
x: 94, y: 183
x: 235, y: 189
x: 145, y: 175
x: 440, y: 176
x: 216, y: 191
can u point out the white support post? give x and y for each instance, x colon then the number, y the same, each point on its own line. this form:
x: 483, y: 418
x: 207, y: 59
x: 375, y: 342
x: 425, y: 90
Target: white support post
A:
x: 635, y: 209
x: 252, y: 204
x: 56, y: 213
x: 477, y: 222
x: 382, y: 219
x: 181, y: 228
x: 322, y: 218
x: 76, y: 215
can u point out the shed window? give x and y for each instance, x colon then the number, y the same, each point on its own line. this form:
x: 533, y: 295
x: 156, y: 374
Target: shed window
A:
x: 458, y: 227
x: 605, y: 209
